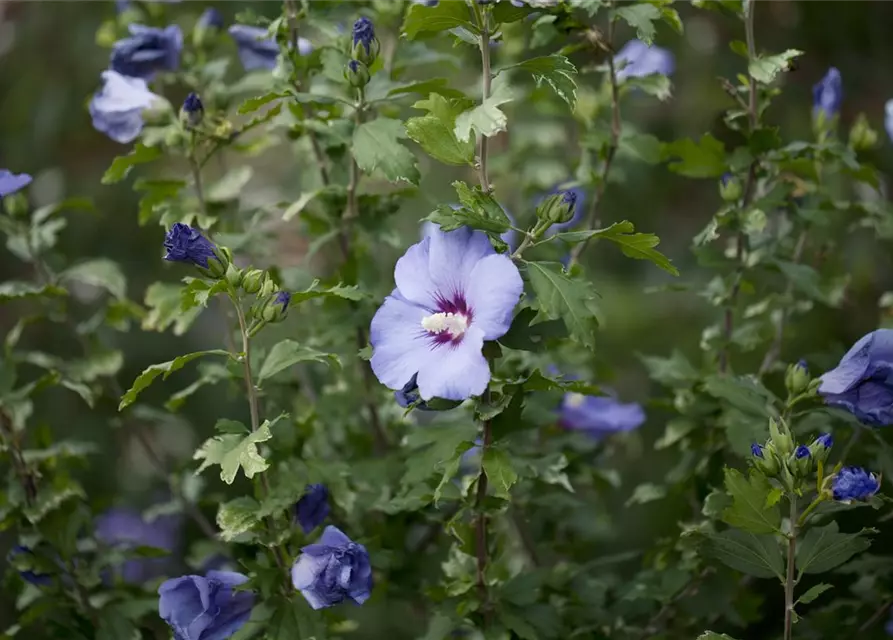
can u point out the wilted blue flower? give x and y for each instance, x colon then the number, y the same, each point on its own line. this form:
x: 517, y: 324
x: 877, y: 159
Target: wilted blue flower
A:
x: 453, y: 292
x: 211, y: 18
x: 117, y: 108
x: 510, y: 237
x: 313, y: 507
x: 802, y: 451
x: 126, y: 528
x: 409, y: 395
x: 333, y: 570
x: 185, y: 244
x: 854, y: 483
x: 863, y: 381
x: 637, y: 59
x: 827, y: 94
x: 147, y: 51
x: 205, y: 608
x: 257, y: 50
x: 575, y: 196
x: 37, y: 579
x: 756, y: 450
x: 599, y: 415
x: 11, y: 183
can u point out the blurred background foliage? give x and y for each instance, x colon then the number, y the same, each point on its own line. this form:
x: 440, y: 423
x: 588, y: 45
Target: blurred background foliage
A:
x: 50, y: 66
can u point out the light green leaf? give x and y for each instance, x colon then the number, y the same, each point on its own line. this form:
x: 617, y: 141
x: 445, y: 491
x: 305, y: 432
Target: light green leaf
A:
x: 486, y: 118
x: 61, y: 449
x: 824, y: 548
x: 99, y: 272
x: 654, y: 84
x: 560, y: 297
x: 450, y: 468
x: 500, y: 472
x: 338, y: 291
x: 712, y: 635
x: 749, y: 510
x: 376, y: 146
x: 441, y: 17
x: 298, y: 205
x: 50, y: 498
x: 254, y: 103
x: 703, y: 159
x: 439, y: 86
x: 434, y: 132
x: 765, y: 69
x: 17, y: 290
x: 640, y: 17
x: 198, y: 292
x: 647, y: 492
x: 287, y: 353
x: 237, y: 517
x: 556, y: 70
x: 164, y: 302
x: 147, y: 377
x: 814, y: 593
x: 122, y: 165
x: 634, y: 245
x: 230, y: 186
x: 755, y: 555
x: 232, y: 451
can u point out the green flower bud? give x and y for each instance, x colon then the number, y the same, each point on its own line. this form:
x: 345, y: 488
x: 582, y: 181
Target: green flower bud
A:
x: 821, y: 447
x: 16, y: 204
x: 192, y: 112
x: 558, y: 208
x: 276, y: 307
x: 364, y: 44
x: 233, y: 275
x: 862, y: 136
x: 252, y: 280
x: 797, y: 378
x: 730, y: 188
x: 781, y: 438
x: 800, y: 462
x: 219, y: 264
x: 268, y: 288
x: 356, y: 74
x: 765, y: 459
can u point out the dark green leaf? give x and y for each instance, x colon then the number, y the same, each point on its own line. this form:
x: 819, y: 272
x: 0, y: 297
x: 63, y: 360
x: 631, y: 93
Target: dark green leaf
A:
x: 499, y: 470
x: 122, y: 165
x: 441, y: 17
x: 451, y: 468
x: 814, y: 593
x: 286, y: 353
x: 749, y: 510
x: 16, y: 290
x: 755, y: 555
x: 376, y: 146
x: 640, y: 17
x: 561, y: 297
x: 147, y: 377
x: 556, y: 70
x: 824, y: 548
x: 634, y: 245
x: 703, y: 159
x: 99, y: 272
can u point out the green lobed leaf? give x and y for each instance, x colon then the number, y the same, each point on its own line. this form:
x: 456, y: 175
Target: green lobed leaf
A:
x: 435, y: 131
x: 486, y: 118
x: 556, y: 70
x: 18, y: 290
x: 641, y: 17
x: 451, y: 468
x: 99, y: 272
x: 634, y: 245
x: 122, y: 165
x: 286, y: 353
x: 237, y: 517
x: 703, y: 159
x: 654, y: 84
x: 824, y: 548
x: 500, y: 472
x: 765, y: 69
x: 376, y: 146
x: 562, y: 298
x: 749, y: 509
x: 441, y: 17
x: 148, y: 376
x: 756, y: 555
x: 164, y: 300
x: 742, y: 392
x: 232, y: 451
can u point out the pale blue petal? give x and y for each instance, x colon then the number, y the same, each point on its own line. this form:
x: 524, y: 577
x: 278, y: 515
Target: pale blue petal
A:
x: 412, y: 278
x: 452, y: 257
x: 306, y: 569
x: 493, y: 290
x: 455, y: 371
x: 400, y: 346
x: 334, y: 537
x: 229, y: 578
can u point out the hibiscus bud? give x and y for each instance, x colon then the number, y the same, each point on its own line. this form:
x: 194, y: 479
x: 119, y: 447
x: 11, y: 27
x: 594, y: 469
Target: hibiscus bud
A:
x: 252, y: 280
x: 186, y: 244
x: 209, y: 24
x: 854, y: 483
x: 764, y: 459
x: 16, y: 204
x: 357, y: 74
x: 781, y: 438
x: 730, y: 188
x: 797, y: 378
x: 821, y: 446
x: 862, y: 136
x: 276, y: 307
x: 233, y: 275
x: 365, y: 45
x: 267, y: 288
x: 800, y: 462
x: 558, y: 208
x: 192, y: 112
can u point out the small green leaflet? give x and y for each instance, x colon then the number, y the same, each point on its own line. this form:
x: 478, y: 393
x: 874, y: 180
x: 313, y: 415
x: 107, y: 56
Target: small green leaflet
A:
x: 232, y: 451
x: 441, y: 17
x: 237, y: 517
x: 100, y: 272
x: 712, y: 635
x: 147, y: 377
x: 755, y: 555
x: 351, y: 292
x: 765, y: 69
x: 654, y: 84
x: 376, y: 146
x: 634, y: 245
x: 499, y: 470
x: 814, y: 593
x: 163, y: 300
x: 703, y: 159
x: 17, y: 290
x: 287, y: 353
x: 122, y: 165
x: 451, y: 468
x: 556, y: 70
x: 486, y: 118
x: 561, y: 298
x: 824, y: 548
x: 749, y: 510
x: 640, y: 17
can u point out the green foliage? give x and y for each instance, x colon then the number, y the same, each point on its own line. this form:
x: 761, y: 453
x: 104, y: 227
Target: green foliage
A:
x: 560, y: 297
x: 749, y: 510
x: 376, y: 146
x: 288, y: 353
x: 235, y: 447
x: 164, y: 369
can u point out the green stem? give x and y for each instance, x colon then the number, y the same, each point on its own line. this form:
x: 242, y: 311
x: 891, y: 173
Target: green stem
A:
x: 815, y: 503
x: 789, y: 578
x: 482, y: 549
x: 486, y: 79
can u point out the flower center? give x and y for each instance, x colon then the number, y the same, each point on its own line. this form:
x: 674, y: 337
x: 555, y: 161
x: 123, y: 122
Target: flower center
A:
x: 575, y: 400
x: 454, y: 324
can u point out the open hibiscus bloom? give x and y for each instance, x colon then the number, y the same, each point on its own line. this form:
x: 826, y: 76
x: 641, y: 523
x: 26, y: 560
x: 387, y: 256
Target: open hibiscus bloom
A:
x: 453, y: 292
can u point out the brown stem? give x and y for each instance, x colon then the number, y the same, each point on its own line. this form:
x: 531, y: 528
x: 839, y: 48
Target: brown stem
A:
x: 789, y: 579
x: 29, y: 486
x: 883, y: 609
x: 775, y: 349
x: 481, y: 526
x: 594, y: 221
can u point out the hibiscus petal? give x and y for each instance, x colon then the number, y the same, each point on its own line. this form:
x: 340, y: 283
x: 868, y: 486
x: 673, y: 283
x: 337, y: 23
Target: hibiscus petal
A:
x: 334, y: 537
x: 492, y: 293
x: 306, y: 569
x: 455, y: 371
x: 399, y: 344
x: 412, y: 279
x: 453, y: 255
